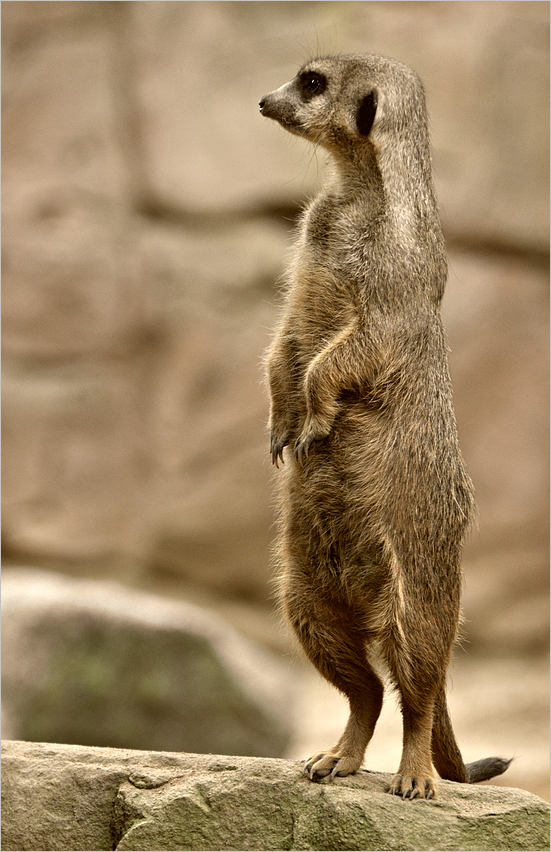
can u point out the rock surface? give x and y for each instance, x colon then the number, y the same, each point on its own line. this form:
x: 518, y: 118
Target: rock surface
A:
x: 94, y: 663
x: 93, y: 799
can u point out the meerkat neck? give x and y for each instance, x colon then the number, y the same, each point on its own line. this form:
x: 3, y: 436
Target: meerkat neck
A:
x: 390, y: 184
x: 356, y: 180
x: 406, y: 174
x: 400, y: 171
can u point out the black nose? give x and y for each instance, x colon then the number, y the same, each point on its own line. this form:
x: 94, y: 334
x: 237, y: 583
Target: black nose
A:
x: 262, y: 104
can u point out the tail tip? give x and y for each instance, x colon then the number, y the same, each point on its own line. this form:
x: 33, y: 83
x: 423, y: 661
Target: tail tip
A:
x: 488, y: 767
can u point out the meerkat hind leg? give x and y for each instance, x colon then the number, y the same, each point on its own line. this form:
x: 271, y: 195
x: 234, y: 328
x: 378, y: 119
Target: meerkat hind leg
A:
x: 339, y: 655
x: 415, y: 776
x: 347, y: 756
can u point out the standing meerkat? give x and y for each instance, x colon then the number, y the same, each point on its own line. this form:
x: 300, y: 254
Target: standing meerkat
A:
x: 375, y: 500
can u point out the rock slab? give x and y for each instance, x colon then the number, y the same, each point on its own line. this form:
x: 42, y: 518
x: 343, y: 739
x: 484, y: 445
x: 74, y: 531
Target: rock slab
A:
x: 98, y: 798
x: 93, y: 663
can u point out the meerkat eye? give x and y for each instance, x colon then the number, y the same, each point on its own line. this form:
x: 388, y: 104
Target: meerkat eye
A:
x: 312, y: 84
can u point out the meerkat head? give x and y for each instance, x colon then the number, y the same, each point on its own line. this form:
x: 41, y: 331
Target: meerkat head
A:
x: 346, y: 102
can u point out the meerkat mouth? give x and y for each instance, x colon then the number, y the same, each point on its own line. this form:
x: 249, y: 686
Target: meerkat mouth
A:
x: 273, y: 109
x: 287, y: 120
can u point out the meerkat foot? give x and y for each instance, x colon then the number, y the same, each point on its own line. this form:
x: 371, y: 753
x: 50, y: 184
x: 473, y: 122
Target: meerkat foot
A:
x: 329, y: 763
x: 410, y: 787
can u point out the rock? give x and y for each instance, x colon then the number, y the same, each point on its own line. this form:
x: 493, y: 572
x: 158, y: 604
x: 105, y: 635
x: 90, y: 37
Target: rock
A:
x: 155, y: 463
x: 69, y: 251
x: 495, y: 312
x: 98, y: 798
x: 78, y: 328
x: 96, y: 664
x: 72, y: 484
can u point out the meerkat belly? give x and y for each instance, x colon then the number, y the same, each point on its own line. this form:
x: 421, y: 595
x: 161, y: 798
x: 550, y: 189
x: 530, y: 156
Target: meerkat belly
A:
x: 332, y: 508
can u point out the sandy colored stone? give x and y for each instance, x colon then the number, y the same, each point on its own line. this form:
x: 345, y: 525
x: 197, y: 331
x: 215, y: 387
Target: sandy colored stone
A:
x: 85, y: 798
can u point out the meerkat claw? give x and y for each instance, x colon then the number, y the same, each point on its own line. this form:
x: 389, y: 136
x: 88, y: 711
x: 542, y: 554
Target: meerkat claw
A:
x: 302, y: 448
x: 277, y: 445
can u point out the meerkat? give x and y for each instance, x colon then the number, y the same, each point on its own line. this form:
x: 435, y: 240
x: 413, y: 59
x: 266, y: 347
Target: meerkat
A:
x: 374, y: 497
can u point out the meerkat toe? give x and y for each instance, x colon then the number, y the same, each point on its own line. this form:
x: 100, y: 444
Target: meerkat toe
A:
x: 327, y: 763
x: 404, y: 786
x: 311, y: 763
x: 322, y: 767
x: 409, y: 787
x: 395, y: 788
x: 277, y: 445
x: 345, y: 766
x: 315, y: 774
x: 301, y: 449
x: 410, y: 790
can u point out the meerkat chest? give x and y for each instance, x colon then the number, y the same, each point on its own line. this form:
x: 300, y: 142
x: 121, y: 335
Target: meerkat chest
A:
x: 335, y: 227
x: 323, y: 303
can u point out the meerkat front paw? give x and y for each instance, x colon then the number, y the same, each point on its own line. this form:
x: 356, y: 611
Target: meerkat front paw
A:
x: 313, y: 430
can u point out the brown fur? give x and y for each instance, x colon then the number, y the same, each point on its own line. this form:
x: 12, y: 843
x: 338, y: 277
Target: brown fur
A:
x: 374, y: 497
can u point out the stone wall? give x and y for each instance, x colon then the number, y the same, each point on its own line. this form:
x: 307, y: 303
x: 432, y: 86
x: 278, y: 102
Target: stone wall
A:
x: 146, y: 211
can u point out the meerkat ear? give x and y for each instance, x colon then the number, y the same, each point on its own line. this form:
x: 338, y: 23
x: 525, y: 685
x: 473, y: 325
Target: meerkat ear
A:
x: 366, y: 113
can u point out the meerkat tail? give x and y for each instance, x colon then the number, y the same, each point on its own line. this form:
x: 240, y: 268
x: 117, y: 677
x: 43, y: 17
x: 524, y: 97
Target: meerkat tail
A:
x: 488, y: 767
x: 447, y: 757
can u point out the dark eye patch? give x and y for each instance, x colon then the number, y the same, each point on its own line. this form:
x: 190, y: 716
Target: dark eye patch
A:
x: 311, y: 84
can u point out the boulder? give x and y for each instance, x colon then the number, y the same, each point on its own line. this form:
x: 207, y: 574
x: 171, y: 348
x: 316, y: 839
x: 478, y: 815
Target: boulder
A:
x: 97, y: 798
x: 94, y: 663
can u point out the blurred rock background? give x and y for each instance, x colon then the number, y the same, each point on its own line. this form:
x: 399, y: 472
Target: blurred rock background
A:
x: 147, y: 211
